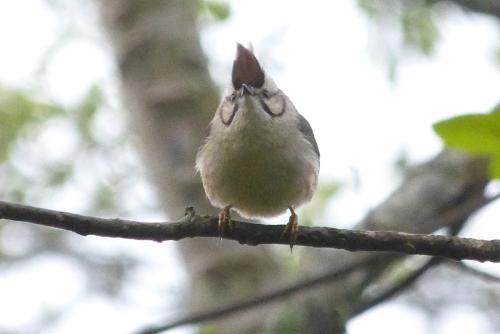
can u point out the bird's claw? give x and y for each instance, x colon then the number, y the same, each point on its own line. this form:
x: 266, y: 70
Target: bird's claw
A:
x: 292, y: 228
x: 224, y: 220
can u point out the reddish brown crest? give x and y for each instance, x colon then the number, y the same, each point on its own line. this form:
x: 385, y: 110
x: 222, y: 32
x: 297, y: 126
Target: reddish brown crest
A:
x: 246, y: 69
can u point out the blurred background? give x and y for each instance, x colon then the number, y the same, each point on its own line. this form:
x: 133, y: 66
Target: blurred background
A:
x: 104, y: 103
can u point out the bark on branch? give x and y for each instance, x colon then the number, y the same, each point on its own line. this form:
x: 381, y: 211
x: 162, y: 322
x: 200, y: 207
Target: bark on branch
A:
x: 193, y: 225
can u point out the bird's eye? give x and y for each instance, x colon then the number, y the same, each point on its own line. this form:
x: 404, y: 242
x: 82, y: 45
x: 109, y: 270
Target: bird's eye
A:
x: 231, y: 97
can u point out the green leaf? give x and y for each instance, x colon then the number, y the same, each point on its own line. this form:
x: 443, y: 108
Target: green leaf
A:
x: 474, y: 133
x: 494, y: 167
x: 217, y: 9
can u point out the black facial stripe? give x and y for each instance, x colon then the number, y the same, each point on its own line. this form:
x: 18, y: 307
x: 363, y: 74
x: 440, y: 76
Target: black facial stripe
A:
x: 264, y: 106
x: 235, y: 109
x: 267, y: 94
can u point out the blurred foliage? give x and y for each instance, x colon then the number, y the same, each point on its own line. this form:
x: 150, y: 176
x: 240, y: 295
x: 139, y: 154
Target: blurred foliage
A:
x: 59, y: 173
x: 289, y: 322
x: 403, y: 28
x: 85, y: 112
x: 216, y: 10
x: 35, y: 166
x: 46, y: 150
x: 476, y: 134
x: 23, y: 118
x: 207, y: 330
x: 497, y: 56
x: 21, y: 115
x: 402, y: 162
x: 419, y: 29
x: 315, y: 209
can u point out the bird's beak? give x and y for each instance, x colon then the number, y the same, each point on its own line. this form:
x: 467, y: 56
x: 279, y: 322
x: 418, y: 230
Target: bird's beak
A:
x: 247, y: 89
x: 247, y: 72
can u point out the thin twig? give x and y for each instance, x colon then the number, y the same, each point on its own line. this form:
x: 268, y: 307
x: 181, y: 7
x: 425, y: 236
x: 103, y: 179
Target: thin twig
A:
x: 255, y: 234
x: 275, y: 295
x: 454, y: 226
x: 410, y: 279
x: 396, y: 288
x: 476, y: 272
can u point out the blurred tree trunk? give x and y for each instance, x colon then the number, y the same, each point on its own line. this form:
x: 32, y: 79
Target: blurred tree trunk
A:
x: 171, y: 98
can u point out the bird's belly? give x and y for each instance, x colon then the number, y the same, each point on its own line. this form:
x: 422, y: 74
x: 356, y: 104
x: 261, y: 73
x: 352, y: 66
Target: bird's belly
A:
x: 259, y: 180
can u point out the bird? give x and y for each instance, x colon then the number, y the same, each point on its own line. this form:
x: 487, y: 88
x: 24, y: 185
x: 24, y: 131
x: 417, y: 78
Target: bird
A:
x: 260, y: 157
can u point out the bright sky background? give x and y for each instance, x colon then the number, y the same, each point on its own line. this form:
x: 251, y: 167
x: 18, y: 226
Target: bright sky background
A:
x: 320, y: 54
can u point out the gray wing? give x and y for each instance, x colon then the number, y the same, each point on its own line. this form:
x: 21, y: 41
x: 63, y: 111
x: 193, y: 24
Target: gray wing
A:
x: 307, y: 131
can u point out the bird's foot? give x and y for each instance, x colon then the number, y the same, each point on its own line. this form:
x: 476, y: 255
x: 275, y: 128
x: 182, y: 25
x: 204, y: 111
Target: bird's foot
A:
x: 224, y: 220
x: 292, y: 228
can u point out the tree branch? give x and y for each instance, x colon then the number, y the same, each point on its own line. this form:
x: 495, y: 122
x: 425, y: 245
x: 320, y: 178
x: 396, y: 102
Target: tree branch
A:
x: 453, y: 221
x: 193, y: 225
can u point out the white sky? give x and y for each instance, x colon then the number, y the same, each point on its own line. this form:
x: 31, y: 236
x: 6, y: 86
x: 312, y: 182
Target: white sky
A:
x: 319, y: 54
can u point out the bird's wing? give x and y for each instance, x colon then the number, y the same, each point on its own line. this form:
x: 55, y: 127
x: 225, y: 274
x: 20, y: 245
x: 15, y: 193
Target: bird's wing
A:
x: 307, y: 131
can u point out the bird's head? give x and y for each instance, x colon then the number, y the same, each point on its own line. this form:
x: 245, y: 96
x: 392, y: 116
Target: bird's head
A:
x: 251, y: 89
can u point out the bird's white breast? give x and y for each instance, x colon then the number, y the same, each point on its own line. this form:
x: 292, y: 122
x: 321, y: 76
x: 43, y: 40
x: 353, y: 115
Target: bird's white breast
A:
x: 259, y: 165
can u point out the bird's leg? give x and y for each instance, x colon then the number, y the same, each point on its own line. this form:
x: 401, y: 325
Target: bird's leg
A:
x: 292, y: 228
x: 224, y: 219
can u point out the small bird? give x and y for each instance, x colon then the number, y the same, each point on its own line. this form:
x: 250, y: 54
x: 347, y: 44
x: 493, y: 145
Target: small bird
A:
x: 260, y: 157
